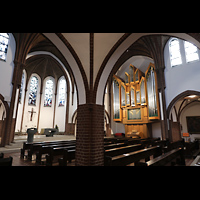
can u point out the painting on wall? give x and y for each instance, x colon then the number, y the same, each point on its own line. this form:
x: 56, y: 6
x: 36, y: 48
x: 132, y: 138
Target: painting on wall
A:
x: 193, y: 124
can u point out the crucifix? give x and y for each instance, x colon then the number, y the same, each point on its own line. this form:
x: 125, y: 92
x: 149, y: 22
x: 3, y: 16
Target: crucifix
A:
x: 32, y: 111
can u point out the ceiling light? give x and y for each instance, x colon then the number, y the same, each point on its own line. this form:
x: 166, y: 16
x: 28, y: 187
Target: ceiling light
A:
x: 192, y: 96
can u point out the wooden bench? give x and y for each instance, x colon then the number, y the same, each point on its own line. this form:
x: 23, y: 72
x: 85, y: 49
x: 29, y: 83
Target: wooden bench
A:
x: 1, y: 155
x: 166, y: 158
x: 59, y: 151
x: 111, y: 146
x: 6, y: 161
x: 175, y: 145
x: 122, y: 150
x: 68, y: 155
x: 133, y: 157
x: 27, y: 146
x: 47, y: 149
x: 36, y: 147
x: 192, y: 149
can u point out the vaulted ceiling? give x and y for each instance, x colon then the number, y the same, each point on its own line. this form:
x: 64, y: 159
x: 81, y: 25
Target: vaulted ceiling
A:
x: 90, y: 58
x: 44, y: 66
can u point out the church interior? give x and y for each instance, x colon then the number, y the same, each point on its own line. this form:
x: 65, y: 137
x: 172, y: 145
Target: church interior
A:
x: 94, y: 99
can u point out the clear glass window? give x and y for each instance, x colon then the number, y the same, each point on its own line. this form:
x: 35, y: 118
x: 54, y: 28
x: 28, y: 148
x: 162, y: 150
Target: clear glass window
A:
x: 191, y: 52
x: 62, y: 92
x: 175, y: 55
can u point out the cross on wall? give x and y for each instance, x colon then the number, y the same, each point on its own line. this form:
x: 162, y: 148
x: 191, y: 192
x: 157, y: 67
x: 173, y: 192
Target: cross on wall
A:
x: 31, y: 112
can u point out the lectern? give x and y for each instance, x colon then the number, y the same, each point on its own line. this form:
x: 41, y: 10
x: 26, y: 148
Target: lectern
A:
x: 31, y: 132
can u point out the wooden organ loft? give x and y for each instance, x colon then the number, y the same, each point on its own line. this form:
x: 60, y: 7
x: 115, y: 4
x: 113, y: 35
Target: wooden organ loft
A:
x: 135, y: 101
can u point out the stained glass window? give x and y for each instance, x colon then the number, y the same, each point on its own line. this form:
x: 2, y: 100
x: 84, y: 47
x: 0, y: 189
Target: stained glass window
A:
x: 48, y: 93
x: 62, y: 92
x: 191, y: 52
x: 33, y: 91
x: 21, y: 88
x: 175, y: 55
x: 4, y: 39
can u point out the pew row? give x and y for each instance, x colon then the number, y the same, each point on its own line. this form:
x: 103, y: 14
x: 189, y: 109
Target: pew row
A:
x: 167, y: 158
x: 133, y: 157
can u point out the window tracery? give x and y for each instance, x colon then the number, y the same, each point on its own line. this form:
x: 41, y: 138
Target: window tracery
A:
x: 4, y: 39
x: 191, y: 52
x: 175, y: 54
x: 48, y: 93
x: 33, y: 91
x: 62, y: 91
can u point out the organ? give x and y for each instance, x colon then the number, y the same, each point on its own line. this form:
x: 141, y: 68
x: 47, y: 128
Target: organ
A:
x: 135, y: 100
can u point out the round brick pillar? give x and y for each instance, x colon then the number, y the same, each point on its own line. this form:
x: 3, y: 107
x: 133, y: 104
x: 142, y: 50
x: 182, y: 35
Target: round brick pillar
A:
x: 90, y: 135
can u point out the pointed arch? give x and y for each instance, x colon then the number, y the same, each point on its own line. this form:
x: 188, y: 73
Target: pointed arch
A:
x: 179, y: 96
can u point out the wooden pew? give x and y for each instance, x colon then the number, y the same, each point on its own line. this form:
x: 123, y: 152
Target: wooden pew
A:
x: 27, y: 146
x: 192, y: 149
x: 68, y: 155
x: 37, y: 147
x: 111, y: 146
x: 133, y: 157
x: 122, y: 150
x: 175, y: 145
x: 166, y: 158
x: 59, y: 151
x: 6, y: 161
x: 148, y: 142
x: 1, y: 155
x: 47, y: 150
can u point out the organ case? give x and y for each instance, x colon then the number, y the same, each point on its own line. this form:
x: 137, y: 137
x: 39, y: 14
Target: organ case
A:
x: 138, y: 104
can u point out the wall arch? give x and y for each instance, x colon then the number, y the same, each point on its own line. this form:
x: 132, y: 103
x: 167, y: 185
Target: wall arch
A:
x: 180, y: 96
x: 3, y: 120
x: 77, y: 69
x: 119, y: 50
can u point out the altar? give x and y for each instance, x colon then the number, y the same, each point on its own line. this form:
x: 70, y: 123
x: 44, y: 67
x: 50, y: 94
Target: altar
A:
x: 49, y: 132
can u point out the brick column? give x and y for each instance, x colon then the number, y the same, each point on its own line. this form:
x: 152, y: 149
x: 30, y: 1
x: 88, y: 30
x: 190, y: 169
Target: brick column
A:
x: 90, y: 135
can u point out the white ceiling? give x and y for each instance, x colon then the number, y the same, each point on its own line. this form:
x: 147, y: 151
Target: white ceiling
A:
x: 103, y: 42
x: 140, y: 62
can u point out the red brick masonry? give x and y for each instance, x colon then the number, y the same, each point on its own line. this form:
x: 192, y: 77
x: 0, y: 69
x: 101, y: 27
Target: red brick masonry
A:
x: 90, y: 135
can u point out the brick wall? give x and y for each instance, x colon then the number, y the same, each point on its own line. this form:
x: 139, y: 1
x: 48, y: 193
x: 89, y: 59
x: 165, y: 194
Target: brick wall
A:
x: 90, y: 135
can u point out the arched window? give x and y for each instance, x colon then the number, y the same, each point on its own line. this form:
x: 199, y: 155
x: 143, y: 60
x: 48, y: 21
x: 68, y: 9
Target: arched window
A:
x: 62, y: 92
x: 175, y: 55
x: 4, y: 39
x: 21, y: 88
x: 191, y: 52
x: 48, y: 93
x: 33, y: 91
